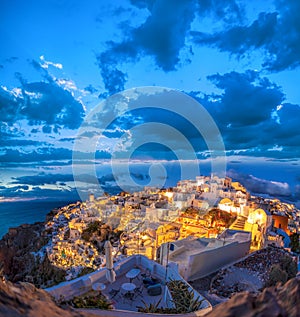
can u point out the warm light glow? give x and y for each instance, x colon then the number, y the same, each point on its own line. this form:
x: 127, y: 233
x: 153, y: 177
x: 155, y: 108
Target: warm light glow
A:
x: 169, y: 195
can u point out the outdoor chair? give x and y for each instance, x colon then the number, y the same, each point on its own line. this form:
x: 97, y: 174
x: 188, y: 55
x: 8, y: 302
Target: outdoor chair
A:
x: 155, y: 280
x: 139, y: 291
x: 128, y: 296
x: 146, y: 274
x: 148, y: 281
x: 154, y: 290
x: 113, y: 292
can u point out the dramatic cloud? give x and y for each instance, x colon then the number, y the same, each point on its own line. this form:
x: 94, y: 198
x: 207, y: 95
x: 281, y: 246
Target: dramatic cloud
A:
x: 48, y: 103
x: 162, y: 36
x: 38, y: 155
x: 224, y: 10
x: 276, y: 33
x: 261, y: 186
x: 42, y: 179
x: 41, y: 103
x: 252, y: 116
x: 247, y: 99
x: 10, y: 105
x: 36, y: 192
x: 41, y: 155
x: 287, y: 132
x: 19, y: 142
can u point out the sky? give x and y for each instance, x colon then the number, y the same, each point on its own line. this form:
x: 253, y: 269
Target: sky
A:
x: 74, y: 96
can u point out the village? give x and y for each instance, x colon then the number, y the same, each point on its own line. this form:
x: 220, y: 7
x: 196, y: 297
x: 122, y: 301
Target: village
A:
x: 145, y: 222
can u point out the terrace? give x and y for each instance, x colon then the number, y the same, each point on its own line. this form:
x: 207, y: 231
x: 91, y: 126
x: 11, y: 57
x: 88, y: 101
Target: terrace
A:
x: 124, y: 297
x: 129, y: 289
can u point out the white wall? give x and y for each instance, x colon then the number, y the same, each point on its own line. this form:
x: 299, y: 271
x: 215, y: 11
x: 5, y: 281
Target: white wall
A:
x: 209, y: 261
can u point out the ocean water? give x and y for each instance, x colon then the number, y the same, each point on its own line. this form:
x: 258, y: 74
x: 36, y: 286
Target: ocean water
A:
x: 13, y: 214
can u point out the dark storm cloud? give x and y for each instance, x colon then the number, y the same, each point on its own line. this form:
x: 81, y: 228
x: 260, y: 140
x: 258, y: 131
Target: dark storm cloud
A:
x: 114, y: 79
x: 40, y: 154
x: 59, y: 180
x: 252, y: 116
x: 227, y: 11
x: 41, y: 103
x: 162, y: 36
x: 239, y: 39
x: 247, y: 100
x: 67, y: 140
x: 288, y: 131
x: 43, y: 179
x: 51, y: 104
x: 19, y: 142
x: 152, y: 137
x: 58, y: 194
x: 10, y: 106
x: 276, y: 33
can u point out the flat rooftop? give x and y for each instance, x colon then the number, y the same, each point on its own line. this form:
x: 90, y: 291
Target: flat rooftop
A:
x: 193, y: 245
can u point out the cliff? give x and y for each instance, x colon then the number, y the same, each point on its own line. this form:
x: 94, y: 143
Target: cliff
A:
x: 283, y: 301
x: 23, y: 299
x: 20, y: 259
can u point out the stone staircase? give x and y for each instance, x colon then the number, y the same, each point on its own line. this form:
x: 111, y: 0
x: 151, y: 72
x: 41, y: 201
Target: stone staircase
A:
x: 239, y: 223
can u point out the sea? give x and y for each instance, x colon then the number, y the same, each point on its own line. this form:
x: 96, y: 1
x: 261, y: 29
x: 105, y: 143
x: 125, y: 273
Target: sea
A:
x: 13, y: 214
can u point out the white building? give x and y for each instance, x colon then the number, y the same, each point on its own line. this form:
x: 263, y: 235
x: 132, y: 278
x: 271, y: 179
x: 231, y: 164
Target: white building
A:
x: 199, y: 257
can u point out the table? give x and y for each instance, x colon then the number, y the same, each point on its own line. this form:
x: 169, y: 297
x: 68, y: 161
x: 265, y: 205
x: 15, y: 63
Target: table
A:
x: 128, y: 287
x: 98, y: 287
x: 133, y: 273
x: 129, y: 291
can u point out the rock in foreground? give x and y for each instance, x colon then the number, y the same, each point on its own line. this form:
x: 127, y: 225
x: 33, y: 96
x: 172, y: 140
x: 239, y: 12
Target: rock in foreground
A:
x: 25, y: 300
x: 283, y: 301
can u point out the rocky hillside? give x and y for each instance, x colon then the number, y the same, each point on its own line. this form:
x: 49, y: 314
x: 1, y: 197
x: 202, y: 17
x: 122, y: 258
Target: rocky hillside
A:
x: 23, y: 299
x: 280, y: 301
x: 20, y: 259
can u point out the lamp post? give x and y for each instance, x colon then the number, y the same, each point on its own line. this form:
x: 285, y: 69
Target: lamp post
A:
x: 138, y: 242
x: 224, y: 238
x: 167, y: 264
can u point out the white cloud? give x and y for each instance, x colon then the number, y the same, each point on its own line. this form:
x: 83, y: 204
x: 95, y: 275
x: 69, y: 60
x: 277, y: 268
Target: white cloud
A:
x: 68, y: 84
x: 47, y: 63
x: 276, y: 148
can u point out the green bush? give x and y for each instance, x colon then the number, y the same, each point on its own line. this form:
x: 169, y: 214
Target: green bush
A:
x: 183, y: 298
x: 288, y: 265
x: 276, y: 275
x: 295, y: 246
x: 91, y: 300
x: 283, y: 271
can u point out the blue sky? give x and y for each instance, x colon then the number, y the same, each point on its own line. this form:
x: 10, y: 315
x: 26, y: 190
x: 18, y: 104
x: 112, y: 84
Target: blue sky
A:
x: 60, y: 59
